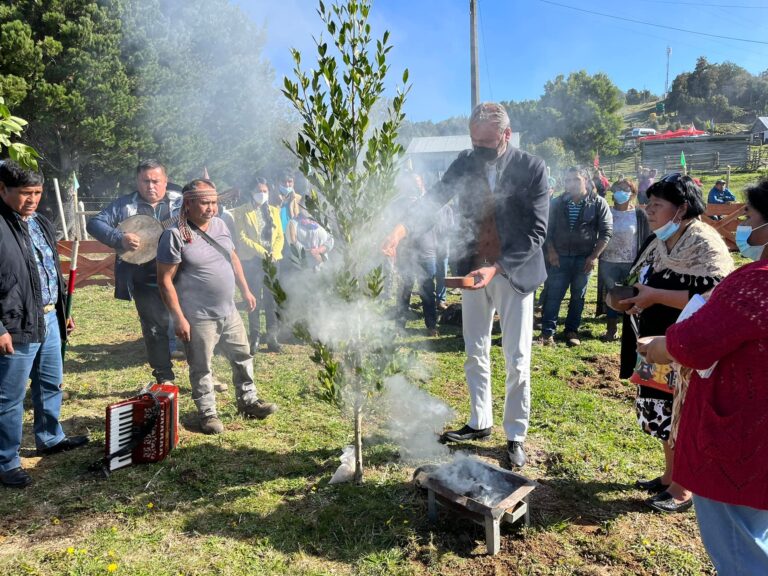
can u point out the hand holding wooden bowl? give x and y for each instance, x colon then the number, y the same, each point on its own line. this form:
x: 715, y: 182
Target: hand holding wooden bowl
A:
x: 617, y: 294
x: 459, y: 281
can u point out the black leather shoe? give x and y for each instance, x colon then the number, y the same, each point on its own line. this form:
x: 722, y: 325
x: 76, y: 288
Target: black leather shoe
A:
x: 516, y: 454
x: 16, y: 478
x: 652, y: 486
x: 666, y: 503
x: 465, y: 433
x: 69, y: 443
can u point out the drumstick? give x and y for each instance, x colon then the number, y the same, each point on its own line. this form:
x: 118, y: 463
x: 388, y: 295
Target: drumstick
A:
x: 70, y: 292
x: 633, y: 321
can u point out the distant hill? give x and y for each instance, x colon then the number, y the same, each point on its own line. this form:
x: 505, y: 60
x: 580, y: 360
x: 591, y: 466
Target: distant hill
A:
x: 645, y: 116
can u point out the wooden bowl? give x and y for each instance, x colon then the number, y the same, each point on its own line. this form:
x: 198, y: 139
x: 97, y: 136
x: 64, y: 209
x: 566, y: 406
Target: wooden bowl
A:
x: 459, y: 281
x: 618, y: 293
x: 643, y: 341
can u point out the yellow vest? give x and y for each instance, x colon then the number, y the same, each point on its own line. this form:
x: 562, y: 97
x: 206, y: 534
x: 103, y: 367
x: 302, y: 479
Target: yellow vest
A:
x: 247, y: 234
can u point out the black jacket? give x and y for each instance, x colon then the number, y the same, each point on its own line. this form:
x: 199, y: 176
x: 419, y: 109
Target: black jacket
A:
x: 521, y: 208
x: 21, y: 300
x: 594, y: 223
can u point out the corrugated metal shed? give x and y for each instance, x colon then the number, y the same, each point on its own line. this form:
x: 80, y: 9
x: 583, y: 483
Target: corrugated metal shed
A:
x: 439, y: 144
x: 430, y: 156
x: 760, y: 128
x: 701, y: 153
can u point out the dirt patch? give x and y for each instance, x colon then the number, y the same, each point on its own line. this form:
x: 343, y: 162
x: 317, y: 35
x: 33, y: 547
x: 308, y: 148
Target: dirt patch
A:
x: 601, y: 374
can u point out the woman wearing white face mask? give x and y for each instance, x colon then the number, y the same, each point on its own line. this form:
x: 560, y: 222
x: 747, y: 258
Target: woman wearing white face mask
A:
x: 630, y: 230
x: 722, y: 445
x: 258, y: 234
x: 683, y: 257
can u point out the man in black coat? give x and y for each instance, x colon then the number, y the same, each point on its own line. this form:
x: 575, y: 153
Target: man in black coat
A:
x: 502, y: 211
x: 32, y: 323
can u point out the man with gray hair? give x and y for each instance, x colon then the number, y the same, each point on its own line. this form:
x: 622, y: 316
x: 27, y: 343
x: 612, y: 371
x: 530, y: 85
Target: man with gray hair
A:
x: 502, y: 211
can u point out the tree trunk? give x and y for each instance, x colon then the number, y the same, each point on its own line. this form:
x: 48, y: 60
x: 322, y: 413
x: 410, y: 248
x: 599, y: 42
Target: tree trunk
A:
x: 358, y: 442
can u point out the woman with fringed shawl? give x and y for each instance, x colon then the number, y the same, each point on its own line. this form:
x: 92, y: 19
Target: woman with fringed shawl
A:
x: 683, y: 257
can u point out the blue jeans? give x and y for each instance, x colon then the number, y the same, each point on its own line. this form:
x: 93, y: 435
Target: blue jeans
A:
x: 425, y: 271
x: 570, y: 274
x: 41, y: 362
x: 441, y: 269
x: 736, y: 537
x: 612, y: 273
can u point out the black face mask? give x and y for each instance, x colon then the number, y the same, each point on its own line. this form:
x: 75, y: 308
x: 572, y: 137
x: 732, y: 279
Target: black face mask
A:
x: 489, y: 154
x: 485, y: 154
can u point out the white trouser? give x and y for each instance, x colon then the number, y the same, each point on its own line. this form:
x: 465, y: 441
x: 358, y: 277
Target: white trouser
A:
x: 516, y: 314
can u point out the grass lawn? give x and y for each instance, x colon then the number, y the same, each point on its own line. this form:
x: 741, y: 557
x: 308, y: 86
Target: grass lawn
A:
x: 256, y: 500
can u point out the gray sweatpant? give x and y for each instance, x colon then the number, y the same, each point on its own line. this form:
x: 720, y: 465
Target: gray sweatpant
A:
x: 229, y: 334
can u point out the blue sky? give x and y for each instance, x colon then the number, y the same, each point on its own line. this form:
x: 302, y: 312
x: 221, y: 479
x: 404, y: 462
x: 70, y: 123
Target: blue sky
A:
x: 525, y: 43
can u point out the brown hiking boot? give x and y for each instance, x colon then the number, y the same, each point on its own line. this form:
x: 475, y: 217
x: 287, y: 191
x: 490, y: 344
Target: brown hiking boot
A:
x: 258, y: 409
x: 572, y: 339
x: 211, y: 425
x: 546, y: 340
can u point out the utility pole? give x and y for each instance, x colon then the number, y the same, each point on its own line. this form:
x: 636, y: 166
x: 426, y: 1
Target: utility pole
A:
x: 666, y: 83
x: 473, y: 55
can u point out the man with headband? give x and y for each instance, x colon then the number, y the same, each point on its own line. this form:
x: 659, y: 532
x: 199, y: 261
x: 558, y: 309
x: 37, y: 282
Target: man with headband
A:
x: 197, y: 269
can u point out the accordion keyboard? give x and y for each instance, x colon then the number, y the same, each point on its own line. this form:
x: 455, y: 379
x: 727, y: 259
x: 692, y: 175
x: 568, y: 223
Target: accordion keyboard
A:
x: 121, y: 426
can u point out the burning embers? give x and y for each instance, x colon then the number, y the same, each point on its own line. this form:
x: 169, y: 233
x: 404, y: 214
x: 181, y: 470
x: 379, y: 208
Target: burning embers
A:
x: 485, y: 493
x: 474, y: 479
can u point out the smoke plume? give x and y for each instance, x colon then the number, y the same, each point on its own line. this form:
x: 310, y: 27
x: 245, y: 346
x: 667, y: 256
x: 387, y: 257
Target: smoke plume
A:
x: 416, y: 418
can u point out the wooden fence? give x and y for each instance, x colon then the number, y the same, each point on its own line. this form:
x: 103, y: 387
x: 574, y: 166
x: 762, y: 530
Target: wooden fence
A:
x: 701, y: 153
x: 95, y: 262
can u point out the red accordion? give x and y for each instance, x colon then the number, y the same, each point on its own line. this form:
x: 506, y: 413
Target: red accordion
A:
x: 142, y: 429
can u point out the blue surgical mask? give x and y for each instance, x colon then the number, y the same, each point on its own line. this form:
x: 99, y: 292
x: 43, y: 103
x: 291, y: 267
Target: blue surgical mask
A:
x: 286, y: 190
x: 748, y: 251
x: 668, y: 230
x: 620, y: 196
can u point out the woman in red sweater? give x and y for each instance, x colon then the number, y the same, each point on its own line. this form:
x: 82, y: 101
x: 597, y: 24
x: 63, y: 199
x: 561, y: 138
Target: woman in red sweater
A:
x: 723, y: 437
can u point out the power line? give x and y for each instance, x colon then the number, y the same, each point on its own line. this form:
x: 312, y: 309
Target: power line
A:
x: 652, y: 24
x: 485, y: 51
x: 700, y: 5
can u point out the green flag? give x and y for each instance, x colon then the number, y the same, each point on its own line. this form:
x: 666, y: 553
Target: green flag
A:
x: 682, y: 159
